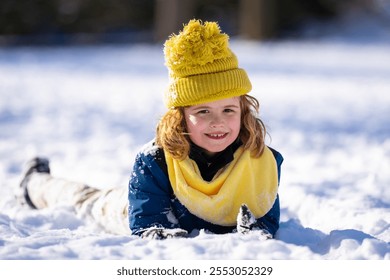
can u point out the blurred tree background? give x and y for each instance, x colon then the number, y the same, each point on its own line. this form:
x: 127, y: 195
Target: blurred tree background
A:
x: 91, y: 21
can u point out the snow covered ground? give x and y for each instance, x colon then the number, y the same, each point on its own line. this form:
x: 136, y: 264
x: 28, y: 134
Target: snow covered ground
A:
x: 326, y: 104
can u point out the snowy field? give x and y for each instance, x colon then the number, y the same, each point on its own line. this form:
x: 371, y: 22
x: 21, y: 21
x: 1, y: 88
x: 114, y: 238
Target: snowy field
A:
x: 325, y: 101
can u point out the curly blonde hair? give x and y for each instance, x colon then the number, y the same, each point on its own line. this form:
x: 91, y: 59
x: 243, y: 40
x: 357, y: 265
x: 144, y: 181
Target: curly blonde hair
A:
x: 172, y: 136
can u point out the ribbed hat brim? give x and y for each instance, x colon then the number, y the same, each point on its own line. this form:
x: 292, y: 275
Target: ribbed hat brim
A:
x: 204, y: 88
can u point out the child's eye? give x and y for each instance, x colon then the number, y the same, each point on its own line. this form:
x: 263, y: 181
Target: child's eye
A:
x: 202, y: 112
x: 227, y: 110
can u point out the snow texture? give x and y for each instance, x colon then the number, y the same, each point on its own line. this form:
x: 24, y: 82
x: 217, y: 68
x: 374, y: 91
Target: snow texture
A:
x: 324, y: 99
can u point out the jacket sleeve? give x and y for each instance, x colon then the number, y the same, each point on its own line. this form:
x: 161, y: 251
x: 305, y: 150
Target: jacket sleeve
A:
x: 149, y: 197
x: 271, y: 220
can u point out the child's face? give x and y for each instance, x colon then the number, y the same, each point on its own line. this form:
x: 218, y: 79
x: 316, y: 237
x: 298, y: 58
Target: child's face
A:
x: 214, y: 126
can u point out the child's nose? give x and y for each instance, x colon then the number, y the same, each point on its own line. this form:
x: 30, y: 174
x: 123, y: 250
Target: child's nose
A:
x: 216, y: 121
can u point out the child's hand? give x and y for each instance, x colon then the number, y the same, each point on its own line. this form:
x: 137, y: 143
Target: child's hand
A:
x: 246, y: 222
x: 164, y: 233
x: 263, y: 234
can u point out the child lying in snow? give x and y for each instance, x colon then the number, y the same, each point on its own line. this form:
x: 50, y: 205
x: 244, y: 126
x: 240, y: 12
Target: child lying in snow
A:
x: 207, y: 168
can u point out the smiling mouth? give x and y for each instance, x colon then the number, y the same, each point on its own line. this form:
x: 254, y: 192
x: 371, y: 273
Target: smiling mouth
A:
x: 216, y: 136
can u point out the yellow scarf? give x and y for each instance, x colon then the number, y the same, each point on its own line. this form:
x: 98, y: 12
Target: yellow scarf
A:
x: 253, y: 181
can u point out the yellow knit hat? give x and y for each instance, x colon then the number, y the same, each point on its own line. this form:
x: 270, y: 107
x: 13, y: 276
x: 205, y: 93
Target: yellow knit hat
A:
x: 202, y: 68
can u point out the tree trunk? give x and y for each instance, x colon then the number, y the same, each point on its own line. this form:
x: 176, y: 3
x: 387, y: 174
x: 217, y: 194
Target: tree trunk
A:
x: 258, y: 19
x: 171, y: 15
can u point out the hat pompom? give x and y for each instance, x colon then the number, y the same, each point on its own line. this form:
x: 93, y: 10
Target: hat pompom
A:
x: 197, y: 45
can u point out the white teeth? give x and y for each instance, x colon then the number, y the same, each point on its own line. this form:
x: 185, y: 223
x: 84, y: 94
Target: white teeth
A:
x: 217, y: 135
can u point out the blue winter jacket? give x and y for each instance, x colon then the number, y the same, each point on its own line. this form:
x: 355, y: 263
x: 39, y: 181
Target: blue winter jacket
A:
x: 153, y: 203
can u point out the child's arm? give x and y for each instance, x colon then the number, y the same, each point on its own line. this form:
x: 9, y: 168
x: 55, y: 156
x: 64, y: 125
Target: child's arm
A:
x: 149, y: 199
x: 270, y: 221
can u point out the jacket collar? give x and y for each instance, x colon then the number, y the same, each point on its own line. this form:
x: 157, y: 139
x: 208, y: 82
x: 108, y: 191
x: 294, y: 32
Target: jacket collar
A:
x: 209, y: 165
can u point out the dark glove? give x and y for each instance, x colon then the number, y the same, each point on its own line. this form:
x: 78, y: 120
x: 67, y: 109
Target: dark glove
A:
x: 163, y: 233
x: 246, y: 222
